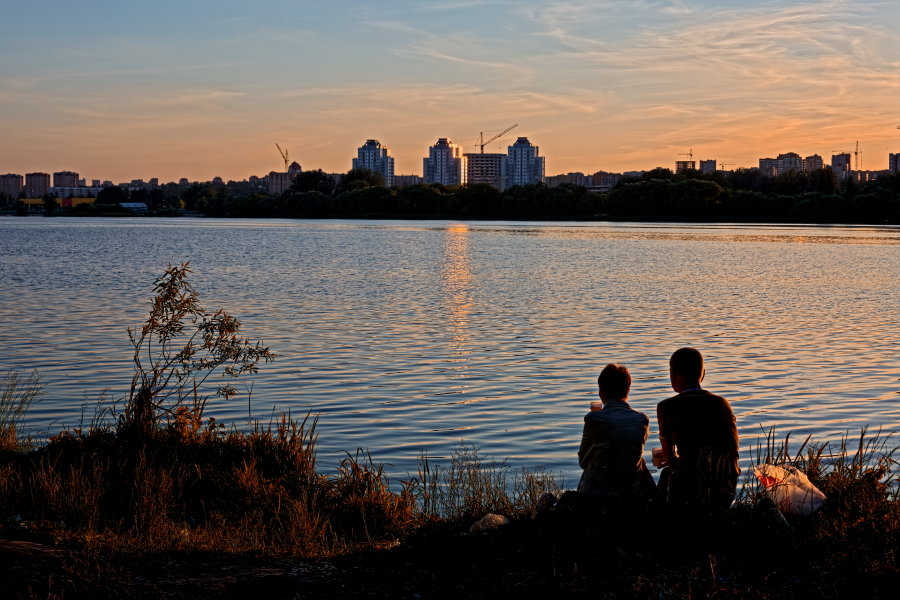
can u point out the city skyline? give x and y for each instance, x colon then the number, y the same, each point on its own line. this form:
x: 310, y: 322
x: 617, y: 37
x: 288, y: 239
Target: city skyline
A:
x: 169, y: 91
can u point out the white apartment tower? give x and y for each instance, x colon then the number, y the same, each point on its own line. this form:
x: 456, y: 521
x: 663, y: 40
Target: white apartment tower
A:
x: 377, y: 158
x: 524, y: 164
x: 445, y: 164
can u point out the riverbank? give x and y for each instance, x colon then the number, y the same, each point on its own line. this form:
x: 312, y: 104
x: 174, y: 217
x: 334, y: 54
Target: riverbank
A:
x: 92, y: 515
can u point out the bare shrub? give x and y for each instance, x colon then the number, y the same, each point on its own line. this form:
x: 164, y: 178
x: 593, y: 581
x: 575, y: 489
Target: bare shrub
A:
x: 178, y: 348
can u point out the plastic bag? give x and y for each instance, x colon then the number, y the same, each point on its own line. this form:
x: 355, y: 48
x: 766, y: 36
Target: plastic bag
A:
x: 790, y: 489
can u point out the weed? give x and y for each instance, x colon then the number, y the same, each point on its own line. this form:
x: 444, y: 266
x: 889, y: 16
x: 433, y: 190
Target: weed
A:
x: 17, y: 394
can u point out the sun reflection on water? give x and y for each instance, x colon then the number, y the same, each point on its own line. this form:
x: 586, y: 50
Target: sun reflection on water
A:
x: 457, y: 284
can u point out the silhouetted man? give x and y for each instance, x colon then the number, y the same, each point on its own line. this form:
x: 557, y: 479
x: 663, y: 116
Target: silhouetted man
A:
x: 699, y: 439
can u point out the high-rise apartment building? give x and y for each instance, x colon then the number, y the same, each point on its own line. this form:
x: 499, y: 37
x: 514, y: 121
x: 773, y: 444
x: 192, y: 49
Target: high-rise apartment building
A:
x: 489, y: 168
x: 894, y: 162
x: 11, y: 185
x: 813, y: 163
x: 789, y: 161
x: 840, y: 164
x: 683, y: 165
x: 377, y: 158
x: 708, y: 167
x: 524, y: 165
x: 445, y: 164
x: 36, y: 184
x: 768, y: 167
x: 278, y: 183
x: 68, y: 179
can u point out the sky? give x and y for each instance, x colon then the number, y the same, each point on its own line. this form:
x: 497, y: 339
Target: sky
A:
x: 127, y: 89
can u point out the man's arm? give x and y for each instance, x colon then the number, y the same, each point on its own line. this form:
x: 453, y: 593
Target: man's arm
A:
x: 669, y: 457
x: 587, y: 443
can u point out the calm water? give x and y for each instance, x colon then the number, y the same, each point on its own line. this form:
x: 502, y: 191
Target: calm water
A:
x: 407, y: 336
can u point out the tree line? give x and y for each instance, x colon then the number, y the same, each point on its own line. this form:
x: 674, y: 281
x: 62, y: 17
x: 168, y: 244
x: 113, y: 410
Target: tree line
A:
x: 741, y: 195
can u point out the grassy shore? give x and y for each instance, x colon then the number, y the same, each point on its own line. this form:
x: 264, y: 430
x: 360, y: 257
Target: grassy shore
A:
x: 204, y: 511
x: 154, y: 500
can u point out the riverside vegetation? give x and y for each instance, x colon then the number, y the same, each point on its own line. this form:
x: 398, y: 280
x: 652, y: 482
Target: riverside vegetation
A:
x: 744, y: 195
x: 153, y: 499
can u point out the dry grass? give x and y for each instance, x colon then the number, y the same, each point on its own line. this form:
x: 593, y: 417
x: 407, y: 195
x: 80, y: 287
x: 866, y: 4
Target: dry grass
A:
x: 17, y: 393
x: 470, y: 486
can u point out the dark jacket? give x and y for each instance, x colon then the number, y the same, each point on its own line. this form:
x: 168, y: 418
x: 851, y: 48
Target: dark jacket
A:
x: 611, y: 450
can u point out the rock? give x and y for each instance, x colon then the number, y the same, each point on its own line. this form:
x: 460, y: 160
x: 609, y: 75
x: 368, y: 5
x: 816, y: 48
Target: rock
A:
x: 488, y: 522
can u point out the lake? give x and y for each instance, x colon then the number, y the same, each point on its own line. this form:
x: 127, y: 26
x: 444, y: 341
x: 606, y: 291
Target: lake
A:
x: 410, y: 336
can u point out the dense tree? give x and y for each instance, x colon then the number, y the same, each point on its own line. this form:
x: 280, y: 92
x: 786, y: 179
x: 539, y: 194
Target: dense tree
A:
x: 50, y: 204
x: 111, y: 194
x: 355, y: 179
x: 313, y: 181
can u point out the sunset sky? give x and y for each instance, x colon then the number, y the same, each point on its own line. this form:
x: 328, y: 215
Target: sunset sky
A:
x: 119, y: 89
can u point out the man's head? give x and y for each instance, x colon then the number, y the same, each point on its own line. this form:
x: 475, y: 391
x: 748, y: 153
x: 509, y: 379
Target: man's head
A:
x: 686, y: 369
x: 614, y: 382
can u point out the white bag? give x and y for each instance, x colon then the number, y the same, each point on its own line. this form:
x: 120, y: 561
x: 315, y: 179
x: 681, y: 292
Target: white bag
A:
x: 790, y: 489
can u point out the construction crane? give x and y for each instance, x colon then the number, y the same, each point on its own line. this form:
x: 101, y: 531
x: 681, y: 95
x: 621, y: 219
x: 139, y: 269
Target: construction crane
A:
x: 689, y: 154
x: 284, y: 155
x: 723, y: 165
x: 481, y: 143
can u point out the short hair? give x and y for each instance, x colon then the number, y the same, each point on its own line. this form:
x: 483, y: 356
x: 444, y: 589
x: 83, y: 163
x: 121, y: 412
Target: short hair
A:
x: 616, y: 380
x: 688, y: 362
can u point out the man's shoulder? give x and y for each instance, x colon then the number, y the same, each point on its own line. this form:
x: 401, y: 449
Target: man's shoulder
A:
x: 687, y: 397
x: 615, y: 413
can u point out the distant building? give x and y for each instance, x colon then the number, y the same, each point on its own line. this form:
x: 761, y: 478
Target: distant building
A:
x: 65, y: 179
x: 789, y: 161
x: 601, y: 181
x: 36, y: 184
x: 863, y: 176
x: 407, y: 180
x: 570, y: 178
x: 278, y: 183
x: 894, y: 162
x: 135, y: 207
x: 525, y: 165
x: 445, y: 164
x: 683, y: 165
x: 708, y: 167
x: 768, y: 167
x: 840, y: 164
x: 294, y: 169
x: 11, y: 185
x: 377, y: 158
x: 75, y: 192
x: 95, y: 183
x: 813, y: 163
x: 489, y: 168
